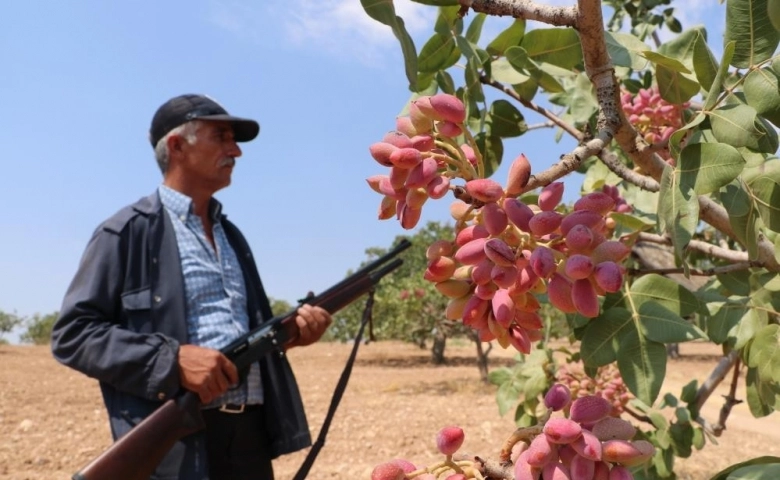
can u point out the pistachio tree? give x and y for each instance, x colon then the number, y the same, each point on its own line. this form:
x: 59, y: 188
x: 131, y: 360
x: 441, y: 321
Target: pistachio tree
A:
x: 677, y: 145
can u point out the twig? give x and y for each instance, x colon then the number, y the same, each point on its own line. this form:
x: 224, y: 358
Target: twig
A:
x: 704, y: 272
x: 536, y: 126
x: 489, y: 468
x: 557, y: 121
x: 717, y: 376
x: 527, y: 9
x: 611, y: 160
x: 637, y: 415
x: 730, y: 401
x: 704, y: 247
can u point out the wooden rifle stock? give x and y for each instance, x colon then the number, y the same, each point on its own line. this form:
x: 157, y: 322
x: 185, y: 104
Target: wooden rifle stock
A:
x: 136, y: 455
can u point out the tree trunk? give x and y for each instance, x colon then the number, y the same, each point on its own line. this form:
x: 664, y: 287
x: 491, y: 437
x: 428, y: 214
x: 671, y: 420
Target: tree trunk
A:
x: 482, y: 356
x: 437, y: 351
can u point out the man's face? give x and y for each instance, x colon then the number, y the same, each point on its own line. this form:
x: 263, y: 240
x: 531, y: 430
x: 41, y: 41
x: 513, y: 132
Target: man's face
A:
x: 208, y: 163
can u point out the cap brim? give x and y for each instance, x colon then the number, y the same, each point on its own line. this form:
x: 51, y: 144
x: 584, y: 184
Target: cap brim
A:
x: 244, y: 129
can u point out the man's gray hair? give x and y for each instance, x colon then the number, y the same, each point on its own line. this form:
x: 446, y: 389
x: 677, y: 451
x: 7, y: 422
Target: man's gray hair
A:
x: 187, y: 130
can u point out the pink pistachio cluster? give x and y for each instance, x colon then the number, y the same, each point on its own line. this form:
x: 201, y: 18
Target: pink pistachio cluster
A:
x: 584, y: 441
x: 607, y: 384
x: 506, y: 251
x: 655, y: 118
x: 422, y: 156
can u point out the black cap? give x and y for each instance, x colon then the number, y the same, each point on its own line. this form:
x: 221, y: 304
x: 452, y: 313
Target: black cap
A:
x: 185, y: 108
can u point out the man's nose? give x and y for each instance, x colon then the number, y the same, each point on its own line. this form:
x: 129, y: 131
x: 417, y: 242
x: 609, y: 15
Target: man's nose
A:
x: 234, y: 150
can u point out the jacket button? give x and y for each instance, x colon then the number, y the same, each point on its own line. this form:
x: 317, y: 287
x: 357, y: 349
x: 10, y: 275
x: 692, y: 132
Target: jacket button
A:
x: 154, y: 260
x: 161, y: 396
x: 157, y: 299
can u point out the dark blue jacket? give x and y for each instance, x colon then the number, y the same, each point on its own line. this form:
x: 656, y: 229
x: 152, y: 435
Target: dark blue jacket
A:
x: 123, y: 319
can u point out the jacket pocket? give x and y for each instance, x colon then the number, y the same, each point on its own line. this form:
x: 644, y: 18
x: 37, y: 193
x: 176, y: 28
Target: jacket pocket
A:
x: 137, y: 309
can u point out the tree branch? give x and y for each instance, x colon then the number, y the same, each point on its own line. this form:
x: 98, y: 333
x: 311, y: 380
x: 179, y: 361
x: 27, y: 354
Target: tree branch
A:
x: 527, y: 9
x: 717, y: 376
x: 490, y: 468
x: 704, y: 247
x: 728, y: 404
x: 611, y: 160
x: 532, y: 106
x: 706, y: 272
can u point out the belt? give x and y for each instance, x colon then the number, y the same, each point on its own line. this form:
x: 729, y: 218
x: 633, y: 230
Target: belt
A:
x: 233, y: 408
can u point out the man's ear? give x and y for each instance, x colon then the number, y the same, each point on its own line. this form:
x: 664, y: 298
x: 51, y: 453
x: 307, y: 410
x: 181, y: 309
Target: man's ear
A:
x: 174, y: 144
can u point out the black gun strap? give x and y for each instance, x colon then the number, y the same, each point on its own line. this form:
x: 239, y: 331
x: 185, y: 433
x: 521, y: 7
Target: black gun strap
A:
x: 337, y: 393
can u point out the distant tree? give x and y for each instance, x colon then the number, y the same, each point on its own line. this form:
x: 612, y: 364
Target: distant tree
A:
x: 39, y: 328
x: 278, y: 306
x: 407, y: 307
x: 8, y: 321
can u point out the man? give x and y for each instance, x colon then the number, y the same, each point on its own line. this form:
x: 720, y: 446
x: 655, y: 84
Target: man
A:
x: 166, y: 282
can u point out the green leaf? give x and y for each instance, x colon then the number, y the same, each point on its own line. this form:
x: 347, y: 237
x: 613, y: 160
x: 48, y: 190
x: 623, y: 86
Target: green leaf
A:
x: 510, y: 37
x: 475, y: 28
x: 438, y: 53
x: 704, y: 64
x: 758, y: 407
x: 383, y: 11
x: 504, y: 72
x: 438, y: 3
x: 506, y: 120
x: 678, y: 211
x: 765, y: 192
x: 677, y: 137
x: 559, y: 46
x: 721, y: 324
x: 766, y: 460
x: 506, y: 397
x: 499, y: 376
x: 625, y: 50
x: 756, y: 472
x: 673, y: 86
x: 642, y: 364
x: 763, y: 93
x: 749, y: 325
x: 765, y: 354
x: 599, y: 342
x: 706, y: 167
x: 689, y: 391
x: 583, y: 103
x: 492, y: 149
x: 720, y: 77
x: 742, y: 216
x: 682, y: 439
x: 683, y: 46
x: 664, y: 326
x: 736, y: 125
x: 445, y: 82
x: 665, y: 61
x: 448, y: 22
x: 473, y: 84
x: 748, y: 25
x: 664, y: 291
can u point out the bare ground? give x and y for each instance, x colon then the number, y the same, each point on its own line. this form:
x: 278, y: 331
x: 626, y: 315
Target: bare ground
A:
x: 52, y: 420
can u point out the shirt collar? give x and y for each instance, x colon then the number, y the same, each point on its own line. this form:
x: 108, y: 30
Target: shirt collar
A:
x: 181, y: 205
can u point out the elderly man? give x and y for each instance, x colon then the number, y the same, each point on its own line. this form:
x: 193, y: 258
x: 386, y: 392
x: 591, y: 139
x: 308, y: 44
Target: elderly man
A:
x: 167, y: 281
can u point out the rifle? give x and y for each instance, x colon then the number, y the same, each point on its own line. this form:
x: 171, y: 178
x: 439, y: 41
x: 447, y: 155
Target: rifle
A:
x: 136, y: 455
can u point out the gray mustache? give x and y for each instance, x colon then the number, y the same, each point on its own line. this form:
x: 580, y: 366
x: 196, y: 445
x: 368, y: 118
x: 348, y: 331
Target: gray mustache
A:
x: 227, y: 162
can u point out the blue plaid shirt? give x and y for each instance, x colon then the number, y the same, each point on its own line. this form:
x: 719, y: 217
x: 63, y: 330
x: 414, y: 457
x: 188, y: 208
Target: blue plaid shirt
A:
x: 216, y: 302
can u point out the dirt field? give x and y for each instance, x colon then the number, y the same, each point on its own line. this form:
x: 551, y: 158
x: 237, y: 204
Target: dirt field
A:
x: 52, y: 420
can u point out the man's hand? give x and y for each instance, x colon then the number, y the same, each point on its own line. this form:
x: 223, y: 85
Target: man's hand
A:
x: 312, y: 323
x: 206, y: 372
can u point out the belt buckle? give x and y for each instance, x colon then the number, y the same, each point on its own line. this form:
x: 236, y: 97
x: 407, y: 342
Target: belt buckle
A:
x: 228, y: 408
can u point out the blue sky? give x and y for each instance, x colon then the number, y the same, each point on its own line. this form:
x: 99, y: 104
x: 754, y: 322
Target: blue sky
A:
x: 82, y: 80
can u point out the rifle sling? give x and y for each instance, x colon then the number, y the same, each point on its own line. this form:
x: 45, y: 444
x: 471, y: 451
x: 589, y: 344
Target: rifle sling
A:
x: 338, y: 392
